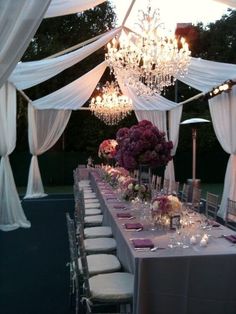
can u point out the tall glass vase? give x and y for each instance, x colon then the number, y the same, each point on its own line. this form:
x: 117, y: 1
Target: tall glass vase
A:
x: 144, y: 174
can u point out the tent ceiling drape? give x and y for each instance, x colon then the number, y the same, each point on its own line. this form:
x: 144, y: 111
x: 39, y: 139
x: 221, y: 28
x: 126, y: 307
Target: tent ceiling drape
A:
x: 19, y: 21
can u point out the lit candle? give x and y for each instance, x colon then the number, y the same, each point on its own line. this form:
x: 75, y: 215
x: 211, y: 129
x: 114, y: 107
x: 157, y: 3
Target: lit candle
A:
x: 193, y: 240
x: 203, y: 242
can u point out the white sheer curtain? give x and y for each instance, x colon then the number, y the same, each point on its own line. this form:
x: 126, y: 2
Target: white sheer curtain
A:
x: 174, y: 117
x: 231, y: 3
x: 28, y: 74
x: 204, y: 74
x: 223, y: 113
x: 73, y: 95
x: 19, y: 21
x: 62, y: 7
x: 11, y: 212
x: 158, y: 118
x: 45, y: 128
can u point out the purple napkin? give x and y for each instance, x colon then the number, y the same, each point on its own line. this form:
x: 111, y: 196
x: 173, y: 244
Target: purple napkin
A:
x: 143, y: 243
x: 231, y: 238
x: 124, y: 215
x: 133, y: 226
x: 118, y: 206
x: 111, y: 198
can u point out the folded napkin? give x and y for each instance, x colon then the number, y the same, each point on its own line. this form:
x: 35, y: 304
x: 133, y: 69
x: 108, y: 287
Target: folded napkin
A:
x: 118, y: 206
x: 124, y: 215
x: 133, y: 226
x: 143, y: 243
x: 231, y: 238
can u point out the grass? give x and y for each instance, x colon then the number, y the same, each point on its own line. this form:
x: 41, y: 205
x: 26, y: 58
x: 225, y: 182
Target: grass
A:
x: 216, y: 188
x: 62, y: 189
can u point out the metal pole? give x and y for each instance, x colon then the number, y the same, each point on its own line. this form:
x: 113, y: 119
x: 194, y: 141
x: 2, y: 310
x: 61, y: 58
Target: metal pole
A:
x: 194, y: 137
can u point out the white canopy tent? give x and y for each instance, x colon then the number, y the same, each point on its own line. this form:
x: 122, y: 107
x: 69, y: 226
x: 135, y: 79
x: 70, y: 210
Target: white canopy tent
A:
x: 202, y: 75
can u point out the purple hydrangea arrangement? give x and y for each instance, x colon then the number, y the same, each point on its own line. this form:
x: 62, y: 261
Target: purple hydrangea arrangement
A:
x: 142, y: 143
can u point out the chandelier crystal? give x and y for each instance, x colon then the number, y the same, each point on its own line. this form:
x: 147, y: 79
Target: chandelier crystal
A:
x: 111, y: 107
x: 151, y: 60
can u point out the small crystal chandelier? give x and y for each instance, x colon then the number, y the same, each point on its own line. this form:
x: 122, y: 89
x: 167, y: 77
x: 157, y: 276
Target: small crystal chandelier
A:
x: 111, y: 107
x: 150, y: 57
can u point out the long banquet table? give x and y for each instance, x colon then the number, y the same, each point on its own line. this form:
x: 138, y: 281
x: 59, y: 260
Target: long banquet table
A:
x: 196, y: 280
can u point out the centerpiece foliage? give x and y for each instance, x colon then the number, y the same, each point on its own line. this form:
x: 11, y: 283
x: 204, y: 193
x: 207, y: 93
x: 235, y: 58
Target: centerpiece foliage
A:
x: 107, y: 149
x: 142, y: 143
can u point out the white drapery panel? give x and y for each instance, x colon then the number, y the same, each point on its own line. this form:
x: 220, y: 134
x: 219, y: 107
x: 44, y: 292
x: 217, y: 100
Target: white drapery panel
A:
x: 19, y: 21
x: 156, y: 102
x: 174, y: 117
x: 223, y: 113
x: 45, y: 128
x: 158, y: 118
x: 204, y: 75
x: 28, y: 74
x: 11, y: 212
x: 231, y: 3
x: 64, y: 7
x: 73, y: 95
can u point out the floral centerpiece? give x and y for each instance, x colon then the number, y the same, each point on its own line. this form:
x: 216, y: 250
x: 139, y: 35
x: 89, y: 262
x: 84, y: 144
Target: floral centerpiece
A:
x: 135, y: 190
x: 107, y: 149
x: 143, y: 143
x: 163, y: 207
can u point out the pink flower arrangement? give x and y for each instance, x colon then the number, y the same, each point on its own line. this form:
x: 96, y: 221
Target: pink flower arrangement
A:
x: 107, y: 149
x: 165, y: 204
x: 142, y: 144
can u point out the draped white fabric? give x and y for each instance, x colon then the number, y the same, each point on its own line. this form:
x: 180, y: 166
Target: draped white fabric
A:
x: 204, y: 75
x: 156, y: 102
x: 223, y: 113
x: 28, y: 74
x: 158, y: 118
x: 231, y: 3
x: 174, y: 117
x: 45, y: 128
x: 64, y: 7
x: 73, y: 95
x: 11, y: 212
x: 19, y: 21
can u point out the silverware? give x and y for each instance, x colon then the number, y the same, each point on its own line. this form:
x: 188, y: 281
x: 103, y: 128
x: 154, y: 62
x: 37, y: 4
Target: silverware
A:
x: 157, y: 248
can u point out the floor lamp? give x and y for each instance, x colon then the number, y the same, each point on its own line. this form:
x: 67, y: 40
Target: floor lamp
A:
x: 194, y: 122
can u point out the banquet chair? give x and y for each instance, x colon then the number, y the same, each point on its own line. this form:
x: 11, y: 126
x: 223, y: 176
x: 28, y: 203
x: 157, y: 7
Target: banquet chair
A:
x: 97, y: 245
x: 93, y: 232
x: 174, y: 188
x: 196, y: 199
x: 74, y: 267
x: 185, y: 193
x: 114, y: 288
x: 97, y: 263
x: 91, y: 209
x: 166, y: 183
x: 212, y: 203
x: 230, y: 218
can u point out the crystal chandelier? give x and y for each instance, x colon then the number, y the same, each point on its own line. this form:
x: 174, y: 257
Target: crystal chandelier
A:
x: 151, y: 60
x: 111, y: 107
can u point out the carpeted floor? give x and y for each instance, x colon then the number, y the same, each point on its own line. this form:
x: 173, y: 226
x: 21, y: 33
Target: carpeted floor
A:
x: 34, y: 278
